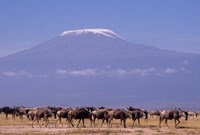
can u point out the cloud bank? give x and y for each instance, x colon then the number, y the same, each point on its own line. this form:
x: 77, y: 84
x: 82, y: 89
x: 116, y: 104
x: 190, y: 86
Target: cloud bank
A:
x: 109, y: 72
x: 117, y: 72
x: 21, y: 73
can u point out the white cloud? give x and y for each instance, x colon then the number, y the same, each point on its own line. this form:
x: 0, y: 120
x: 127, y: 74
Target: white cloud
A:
x: 118, y: 72
x: 21, y: 73
x: 83, y: 72
x: 143, y: 72
x: 170, y: 71
x: 130, y: 72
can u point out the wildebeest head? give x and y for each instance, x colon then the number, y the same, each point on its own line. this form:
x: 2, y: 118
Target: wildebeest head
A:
x: 145, y: 115
x: 183, y: 114
x: 196, y: 114
x: 54, y: 110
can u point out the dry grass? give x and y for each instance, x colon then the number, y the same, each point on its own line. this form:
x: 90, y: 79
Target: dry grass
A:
x: 150, y: 127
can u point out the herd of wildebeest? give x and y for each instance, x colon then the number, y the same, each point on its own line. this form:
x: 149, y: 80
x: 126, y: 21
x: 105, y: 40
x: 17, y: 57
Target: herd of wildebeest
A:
x: 93, y: 113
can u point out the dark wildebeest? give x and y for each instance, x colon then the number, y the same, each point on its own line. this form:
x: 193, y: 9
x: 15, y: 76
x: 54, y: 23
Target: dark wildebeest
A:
x: 90, y: 109
x: 54, y: 110
x: 137, y: 114
x: 122, y: 115
x: 175, y: 114
x: 100, y: 114
x: 81, y: 114
x: 37, y: 114
x: 137, y: 109
x: 20, y: 111
x: 63, y: 113
x: 8, y: 110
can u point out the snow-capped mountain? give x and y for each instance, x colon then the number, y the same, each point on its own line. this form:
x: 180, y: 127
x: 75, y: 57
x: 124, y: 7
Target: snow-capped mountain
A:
x: 88, y: 46
x: 98, y: 67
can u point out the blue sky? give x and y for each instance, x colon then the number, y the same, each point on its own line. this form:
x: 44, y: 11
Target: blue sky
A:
x: 167, y: 24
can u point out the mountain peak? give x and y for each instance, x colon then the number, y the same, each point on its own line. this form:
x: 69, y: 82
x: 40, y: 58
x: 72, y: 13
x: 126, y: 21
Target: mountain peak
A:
x: 104, y: 32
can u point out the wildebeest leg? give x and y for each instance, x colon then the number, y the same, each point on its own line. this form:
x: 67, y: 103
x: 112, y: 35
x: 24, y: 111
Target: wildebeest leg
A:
x: 160, y: 121
x: 94, y: 121
x: 78, y: 122
x: 176, y: 124
x: 6, y: 116
x: 60, y: 121
x: 110, y: 123
x: 47, y: 121
x: 139, y: 122
x: 120, y: 122
x: 13, y: 116
x: 55, y: 115
x: 124, y: 121
x: 21, y: 117
x: 107, y: 121
x: 102, y: 122
x: 90, y: 122
x: 56, y: 121
x: 133, y: 122
x: 70, y: 121
x: 83, y: 123
x: 98, y: 121
x: 33, y: 121
x: 166, y: 122
x: 38, y: 121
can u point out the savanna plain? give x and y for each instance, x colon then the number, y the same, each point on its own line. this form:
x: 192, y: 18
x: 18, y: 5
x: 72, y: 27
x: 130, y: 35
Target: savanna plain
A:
x: 23, y: 127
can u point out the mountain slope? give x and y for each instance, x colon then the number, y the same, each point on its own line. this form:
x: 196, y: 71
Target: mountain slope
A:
x: 94, y: 65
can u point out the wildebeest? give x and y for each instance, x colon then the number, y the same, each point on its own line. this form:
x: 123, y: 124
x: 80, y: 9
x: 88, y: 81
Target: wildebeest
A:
x: 137, y: 109
x: 100, y: 114
x: 136, y: 115
x: 192, y: 114
x: 39, y: 113
x: 175, y: 114
x: 8, y: 110
x: 155, y: 113
x: 63, y: 113
x: 54, y: 110
x: 20, y: 111
x: 122, y: 115
x: 81, y: 114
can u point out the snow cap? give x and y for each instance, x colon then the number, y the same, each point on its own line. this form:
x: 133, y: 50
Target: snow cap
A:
x: 105, y: 32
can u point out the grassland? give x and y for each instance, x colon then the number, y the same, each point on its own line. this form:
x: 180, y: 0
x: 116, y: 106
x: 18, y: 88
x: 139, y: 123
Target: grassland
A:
x: 150, y: 127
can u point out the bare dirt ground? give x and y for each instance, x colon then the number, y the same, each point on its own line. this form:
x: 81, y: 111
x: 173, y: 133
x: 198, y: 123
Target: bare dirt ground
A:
x: 28, y: 130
